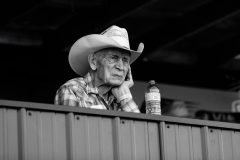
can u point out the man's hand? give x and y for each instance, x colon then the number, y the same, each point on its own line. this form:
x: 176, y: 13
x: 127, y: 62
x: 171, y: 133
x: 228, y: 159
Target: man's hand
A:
x: 123, y: 91
x: 129, y: 80
x: 124, y: 96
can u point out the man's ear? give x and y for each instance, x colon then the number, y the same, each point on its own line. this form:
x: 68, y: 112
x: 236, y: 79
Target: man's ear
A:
x: 92, y: 61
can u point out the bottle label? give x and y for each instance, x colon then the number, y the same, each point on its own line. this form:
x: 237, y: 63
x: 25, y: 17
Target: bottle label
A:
x: 152, y: 96
x: 153, y: 107
x: 153, y: 103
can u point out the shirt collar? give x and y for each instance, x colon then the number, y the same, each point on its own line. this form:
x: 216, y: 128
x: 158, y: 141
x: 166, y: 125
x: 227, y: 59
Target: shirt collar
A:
x: 89, y: 84
x: 91, y: 89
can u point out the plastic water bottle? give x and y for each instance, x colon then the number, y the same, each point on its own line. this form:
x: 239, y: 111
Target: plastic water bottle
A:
x: 153, y: 98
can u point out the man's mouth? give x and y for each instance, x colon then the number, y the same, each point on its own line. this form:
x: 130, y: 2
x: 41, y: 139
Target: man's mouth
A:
x: 117, y: 75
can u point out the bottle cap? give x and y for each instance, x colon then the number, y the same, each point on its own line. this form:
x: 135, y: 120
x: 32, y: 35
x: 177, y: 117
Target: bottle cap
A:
x: 151, y: 82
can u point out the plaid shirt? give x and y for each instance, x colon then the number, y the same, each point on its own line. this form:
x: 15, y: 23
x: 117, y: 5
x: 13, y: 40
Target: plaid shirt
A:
x: 81, y: 93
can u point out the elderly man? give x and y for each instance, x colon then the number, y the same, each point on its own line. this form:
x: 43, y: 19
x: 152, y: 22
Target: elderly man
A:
x: 103, y: 62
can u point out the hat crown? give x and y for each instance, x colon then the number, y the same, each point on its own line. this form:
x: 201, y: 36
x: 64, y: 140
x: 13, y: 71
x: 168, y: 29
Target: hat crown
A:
x: 114, y: 36
x: 118, y: 34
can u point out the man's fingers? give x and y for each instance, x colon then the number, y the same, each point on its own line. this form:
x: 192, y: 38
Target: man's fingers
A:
x: 130, y: 80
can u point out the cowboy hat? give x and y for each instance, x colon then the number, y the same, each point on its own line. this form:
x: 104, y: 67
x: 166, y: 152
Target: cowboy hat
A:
x: 114, y: 36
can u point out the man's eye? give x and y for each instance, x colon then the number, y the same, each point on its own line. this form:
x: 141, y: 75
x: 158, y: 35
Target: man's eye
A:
x: 113, y: 58
x: 126, y: 60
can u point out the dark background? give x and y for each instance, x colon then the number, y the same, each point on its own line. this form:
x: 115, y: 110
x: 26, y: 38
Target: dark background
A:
x: 192, y: 43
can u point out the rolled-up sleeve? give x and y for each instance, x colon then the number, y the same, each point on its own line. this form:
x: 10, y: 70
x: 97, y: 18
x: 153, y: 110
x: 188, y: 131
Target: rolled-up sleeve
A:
x: 130, y: 106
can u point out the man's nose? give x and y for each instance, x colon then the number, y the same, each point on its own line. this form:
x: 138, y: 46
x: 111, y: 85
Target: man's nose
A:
x: 120, y: 64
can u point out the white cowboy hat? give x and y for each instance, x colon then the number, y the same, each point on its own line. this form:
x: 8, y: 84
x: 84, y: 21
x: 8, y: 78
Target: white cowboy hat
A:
x: 114, y: 36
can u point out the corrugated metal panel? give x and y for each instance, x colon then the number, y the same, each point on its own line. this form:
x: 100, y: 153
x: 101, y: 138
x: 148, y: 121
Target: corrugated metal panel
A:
x: 126, y: 140
x: 170, y: 142
x: 106, y: 139
x: 197, y: 143
x: 227, y: 145
x: 139, y: 140
x: 134, y: 140
x: 60, y: 137
x: 93, y: 138
x: 154, y: 140
x: 182, y: 142
x: 8, y: 134
x: 236, y: 145
x: 141, y: 147
x: 224, y: 144
x: 45, y: 136
x: 41, y: 135
x: 32, y: 140
x: 215, y: 143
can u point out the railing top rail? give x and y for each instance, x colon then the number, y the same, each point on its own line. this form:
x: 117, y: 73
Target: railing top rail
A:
x: 107, y: 113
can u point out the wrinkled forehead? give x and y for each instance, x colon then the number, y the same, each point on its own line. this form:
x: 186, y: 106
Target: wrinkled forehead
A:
x: 114, y: 51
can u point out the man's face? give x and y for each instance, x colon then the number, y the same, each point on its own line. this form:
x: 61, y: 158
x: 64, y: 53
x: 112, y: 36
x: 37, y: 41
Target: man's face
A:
x: 112, y: 65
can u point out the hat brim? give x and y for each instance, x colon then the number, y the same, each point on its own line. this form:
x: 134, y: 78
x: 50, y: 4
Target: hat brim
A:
x: 78, y: 55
